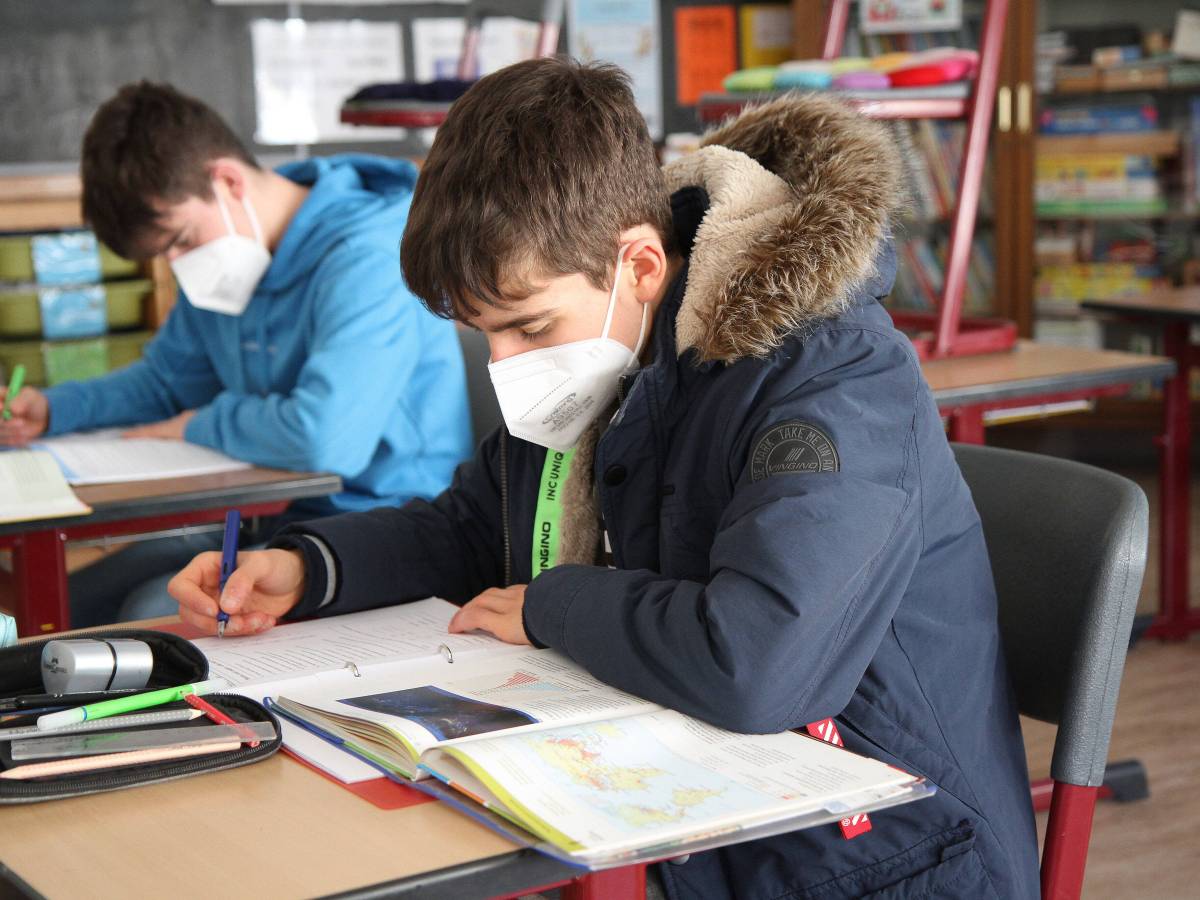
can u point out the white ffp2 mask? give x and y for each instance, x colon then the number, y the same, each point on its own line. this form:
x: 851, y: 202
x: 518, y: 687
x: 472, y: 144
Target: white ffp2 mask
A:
x: 221, y: 276
x: 549, y: 396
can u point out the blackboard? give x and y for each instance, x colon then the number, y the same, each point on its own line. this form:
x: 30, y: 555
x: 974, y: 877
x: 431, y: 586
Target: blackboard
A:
x: 60, y: 59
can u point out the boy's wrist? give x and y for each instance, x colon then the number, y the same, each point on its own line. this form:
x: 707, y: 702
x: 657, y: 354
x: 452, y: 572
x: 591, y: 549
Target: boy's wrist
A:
x: 320, y: 583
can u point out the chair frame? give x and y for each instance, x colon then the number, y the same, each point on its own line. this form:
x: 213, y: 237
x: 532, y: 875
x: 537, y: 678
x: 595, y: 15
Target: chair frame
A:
x: 1091, y: 681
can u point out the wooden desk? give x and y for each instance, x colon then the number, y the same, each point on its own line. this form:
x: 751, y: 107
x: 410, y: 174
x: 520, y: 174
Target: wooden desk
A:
x: 39, y: 579
x: 1175, y: 311
x: 966, y: 387
x: 272, y: 829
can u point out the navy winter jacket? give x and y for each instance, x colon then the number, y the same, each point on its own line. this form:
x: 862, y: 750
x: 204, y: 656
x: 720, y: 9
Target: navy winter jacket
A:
x: 792, y: 536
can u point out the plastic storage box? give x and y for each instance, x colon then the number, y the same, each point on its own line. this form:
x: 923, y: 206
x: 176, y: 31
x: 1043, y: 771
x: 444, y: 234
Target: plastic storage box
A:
x: 16, y: 260
x: 21, y: 314
x: 119, y: 350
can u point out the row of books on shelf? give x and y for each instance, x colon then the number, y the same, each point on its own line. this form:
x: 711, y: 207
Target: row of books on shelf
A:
x: 858, y: 44
x: 921, y: 271
x: 1116, y: 57
x: 1100, y: 118
x: 1060, y: 288
x: 1113, y: 242
x: 1095, y: 182
x: 1098, y: 183
x: 932, y: 155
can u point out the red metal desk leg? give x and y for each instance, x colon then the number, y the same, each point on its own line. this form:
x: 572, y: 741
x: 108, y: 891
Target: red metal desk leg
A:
x: 1175, y: 447
x: 40, y: 583
x: 628, y: 883
x: 966, y: 425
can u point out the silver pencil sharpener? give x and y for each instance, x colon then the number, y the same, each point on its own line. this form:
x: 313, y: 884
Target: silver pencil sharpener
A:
x: 85, y: 666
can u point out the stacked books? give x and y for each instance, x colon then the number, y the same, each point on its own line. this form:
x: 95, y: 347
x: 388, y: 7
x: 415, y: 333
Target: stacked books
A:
x: 1099, y: 118
x: 921, y: 274
x: 1098, y: 184
x: 1060, y: 288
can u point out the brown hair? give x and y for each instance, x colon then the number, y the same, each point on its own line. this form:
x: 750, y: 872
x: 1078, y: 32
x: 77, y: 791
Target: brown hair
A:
x: 149, y: 144
x: 536, y: 171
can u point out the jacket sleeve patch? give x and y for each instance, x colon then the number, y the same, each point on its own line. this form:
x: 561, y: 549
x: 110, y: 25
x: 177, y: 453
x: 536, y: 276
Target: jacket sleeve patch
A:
x: 793, y: 447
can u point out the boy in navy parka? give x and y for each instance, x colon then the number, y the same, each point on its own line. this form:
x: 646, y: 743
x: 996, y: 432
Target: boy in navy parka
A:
x: 761, y: 522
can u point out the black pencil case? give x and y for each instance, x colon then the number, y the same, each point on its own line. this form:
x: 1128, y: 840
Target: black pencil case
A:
x: 176, y: 662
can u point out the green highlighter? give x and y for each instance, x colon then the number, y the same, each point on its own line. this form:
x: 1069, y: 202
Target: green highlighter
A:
x: 14, y: 388
x: 119, y: 705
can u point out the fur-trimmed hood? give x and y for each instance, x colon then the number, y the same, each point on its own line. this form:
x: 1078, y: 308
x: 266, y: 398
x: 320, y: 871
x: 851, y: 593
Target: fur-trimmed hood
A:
x: 801, y: 191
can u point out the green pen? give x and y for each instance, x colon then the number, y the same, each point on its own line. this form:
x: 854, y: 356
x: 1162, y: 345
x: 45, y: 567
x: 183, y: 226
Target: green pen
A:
x: 14, y: 388
x: 119, y: 705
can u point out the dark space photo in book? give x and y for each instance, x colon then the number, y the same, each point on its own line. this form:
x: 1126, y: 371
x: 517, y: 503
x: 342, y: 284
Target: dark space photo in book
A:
x: 445, y: 715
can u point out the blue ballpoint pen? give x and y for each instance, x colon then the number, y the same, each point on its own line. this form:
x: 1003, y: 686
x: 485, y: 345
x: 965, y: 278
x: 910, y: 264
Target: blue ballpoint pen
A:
x: 229, y: 551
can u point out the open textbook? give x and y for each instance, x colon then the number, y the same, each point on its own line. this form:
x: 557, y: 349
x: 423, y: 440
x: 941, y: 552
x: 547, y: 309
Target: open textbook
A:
x: 101, y: 457
x: 32, y: 487
x: 525, y: 737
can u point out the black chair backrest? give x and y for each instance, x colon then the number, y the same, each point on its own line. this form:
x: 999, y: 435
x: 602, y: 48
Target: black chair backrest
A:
x: 485, y: 409
x: 1067, y: 543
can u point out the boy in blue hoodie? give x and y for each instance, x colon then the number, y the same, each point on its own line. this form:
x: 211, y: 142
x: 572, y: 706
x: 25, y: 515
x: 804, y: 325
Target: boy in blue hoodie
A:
x: 295, y: 343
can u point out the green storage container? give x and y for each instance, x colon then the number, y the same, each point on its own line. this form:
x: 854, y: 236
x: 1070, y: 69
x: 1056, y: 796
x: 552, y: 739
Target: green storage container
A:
x: 21, y: 314
x: 118, y: 350
x: 16, y: 260
x: 113, y: 266
x: 124, y: 349
x: 28, y: 354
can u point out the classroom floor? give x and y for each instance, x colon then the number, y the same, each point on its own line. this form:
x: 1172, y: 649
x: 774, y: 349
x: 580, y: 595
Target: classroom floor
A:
x: 1147, y: 849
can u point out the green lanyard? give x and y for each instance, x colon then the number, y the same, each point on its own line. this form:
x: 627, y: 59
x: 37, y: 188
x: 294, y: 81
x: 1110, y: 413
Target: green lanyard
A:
x: 547, y: 536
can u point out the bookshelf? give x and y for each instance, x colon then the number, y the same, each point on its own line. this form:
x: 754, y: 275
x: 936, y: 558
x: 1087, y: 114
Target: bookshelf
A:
x: 1118, y: 217
x: 1020, y: 235
x: 948, y: 294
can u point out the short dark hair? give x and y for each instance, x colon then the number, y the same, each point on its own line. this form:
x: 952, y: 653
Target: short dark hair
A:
x: 536, y: 171
x: 150, y: 143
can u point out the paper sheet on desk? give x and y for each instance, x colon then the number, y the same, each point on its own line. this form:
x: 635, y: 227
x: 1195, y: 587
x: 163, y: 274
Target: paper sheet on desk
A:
x: 103, y: 457
x: 391, y: 634
x: 408, y: 635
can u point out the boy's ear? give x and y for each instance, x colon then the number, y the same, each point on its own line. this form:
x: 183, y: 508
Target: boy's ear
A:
x: 646, y: 259
x: 230, y: 173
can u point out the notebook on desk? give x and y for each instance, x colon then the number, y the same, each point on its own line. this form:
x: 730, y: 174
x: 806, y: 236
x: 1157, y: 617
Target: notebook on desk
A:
x: 32, y: 487
x: 104, y: 457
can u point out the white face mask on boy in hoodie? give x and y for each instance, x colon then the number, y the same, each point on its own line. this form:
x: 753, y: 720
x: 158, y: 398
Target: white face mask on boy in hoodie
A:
x: 549, y: 396
x: 221, y: 276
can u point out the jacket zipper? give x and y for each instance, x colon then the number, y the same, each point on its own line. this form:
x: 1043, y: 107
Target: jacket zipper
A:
x: 504, y: 506
x: 622, y: 386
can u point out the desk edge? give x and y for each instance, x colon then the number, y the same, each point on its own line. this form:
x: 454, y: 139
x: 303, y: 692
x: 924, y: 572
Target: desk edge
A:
x: 1033, y: 388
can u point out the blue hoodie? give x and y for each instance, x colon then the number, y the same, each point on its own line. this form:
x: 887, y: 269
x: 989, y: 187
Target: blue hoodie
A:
x: 334, y: 366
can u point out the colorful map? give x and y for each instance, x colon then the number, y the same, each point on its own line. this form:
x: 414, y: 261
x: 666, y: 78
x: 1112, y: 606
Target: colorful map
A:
x: 624, y: 772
